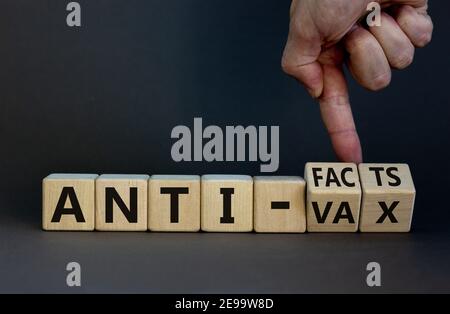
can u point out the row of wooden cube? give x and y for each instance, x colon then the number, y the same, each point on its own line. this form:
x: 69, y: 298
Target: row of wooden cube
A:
x: 336, y: 197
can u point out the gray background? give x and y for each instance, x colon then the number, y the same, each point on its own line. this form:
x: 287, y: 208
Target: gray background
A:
x: 104, y: 98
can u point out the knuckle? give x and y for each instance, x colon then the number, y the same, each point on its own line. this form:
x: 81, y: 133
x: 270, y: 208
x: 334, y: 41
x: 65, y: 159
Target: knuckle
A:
x: 424, y: 39
x: 296, y: 25
x: 403, y: 60
x: 403, y: 22
x: 380, y: 82
x: 287, y: 66
x: 356, y: 41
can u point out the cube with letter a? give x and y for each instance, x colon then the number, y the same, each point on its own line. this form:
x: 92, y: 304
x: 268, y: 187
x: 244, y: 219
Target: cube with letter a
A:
x: 333, y: 197
x: 68, y: 202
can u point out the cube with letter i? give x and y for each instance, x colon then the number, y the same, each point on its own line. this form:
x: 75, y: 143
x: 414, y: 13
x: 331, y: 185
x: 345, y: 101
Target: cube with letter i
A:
x: 333, y: 197
x: 226, y: 203
x: 388, y: 198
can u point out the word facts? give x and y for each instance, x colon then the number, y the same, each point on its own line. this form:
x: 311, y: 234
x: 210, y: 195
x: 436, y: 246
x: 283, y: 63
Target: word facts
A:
x: 333, y: 197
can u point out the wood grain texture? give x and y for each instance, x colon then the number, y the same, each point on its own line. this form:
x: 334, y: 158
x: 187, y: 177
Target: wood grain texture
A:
x: 83, y: 188
x: 279, y: 204
x: 215, y: 191
x: 387, y: 188
x: 333, y: 197
x: 125, y: 186
x: 164, y: 191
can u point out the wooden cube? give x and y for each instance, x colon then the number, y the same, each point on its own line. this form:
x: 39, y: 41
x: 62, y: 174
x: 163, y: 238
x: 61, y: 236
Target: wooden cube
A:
x: 227, y: 203
x: 388, y: 198
x: 121, y: 202
x: 279, y: 204
x: 174, y: 203
x: 333, y: 197
x: 68, y: 202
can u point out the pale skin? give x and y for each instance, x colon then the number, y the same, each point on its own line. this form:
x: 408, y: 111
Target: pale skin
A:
x: 326, y: 34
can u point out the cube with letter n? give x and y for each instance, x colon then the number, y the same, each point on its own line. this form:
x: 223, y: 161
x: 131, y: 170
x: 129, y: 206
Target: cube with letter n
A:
x: 121, y: 202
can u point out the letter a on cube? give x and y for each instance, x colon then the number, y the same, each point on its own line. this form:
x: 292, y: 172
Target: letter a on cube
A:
x: 333, y: 197
x: 68, y: 202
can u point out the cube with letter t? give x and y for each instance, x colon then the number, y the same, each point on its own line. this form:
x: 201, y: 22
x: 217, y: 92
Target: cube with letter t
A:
x: 121, y: 202
x: 388, y: 198
x: 333, y: 197
x: 174, y: 203
x: 68, y: 202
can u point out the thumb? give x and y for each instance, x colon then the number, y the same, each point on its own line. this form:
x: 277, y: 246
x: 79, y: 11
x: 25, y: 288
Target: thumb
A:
x: 300, y: 61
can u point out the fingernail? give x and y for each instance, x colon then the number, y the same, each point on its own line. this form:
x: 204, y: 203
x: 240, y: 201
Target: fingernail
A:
x: 313, y: 93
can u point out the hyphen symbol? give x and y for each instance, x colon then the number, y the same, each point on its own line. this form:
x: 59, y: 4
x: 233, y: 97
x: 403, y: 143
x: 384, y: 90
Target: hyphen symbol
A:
x: 280, y: 205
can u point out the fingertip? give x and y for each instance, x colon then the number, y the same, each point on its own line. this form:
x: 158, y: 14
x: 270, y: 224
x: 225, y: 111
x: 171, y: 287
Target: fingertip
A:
x: 347, y: 146
x: 416, y: 24
x: 315, y: 92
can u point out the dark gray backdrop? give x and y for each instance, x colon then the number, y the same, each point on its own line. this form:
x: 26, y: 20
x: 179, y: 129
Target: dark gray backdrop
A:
x: 104, y: 98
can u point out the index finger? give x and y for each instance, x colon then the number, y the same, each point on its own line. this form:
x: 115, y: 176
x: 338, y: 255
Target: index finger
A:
x: 337, y: 116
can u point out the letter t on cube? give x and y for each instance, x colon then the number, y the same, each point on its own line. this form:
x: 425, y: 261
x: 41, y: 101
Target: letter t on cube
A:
x: 174, y: 203
x: 388, y: 198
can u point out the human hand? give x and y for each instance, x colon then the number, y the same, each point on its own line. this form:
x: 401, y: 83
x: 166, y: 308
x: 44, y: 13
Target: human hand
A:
x: 324, y: 34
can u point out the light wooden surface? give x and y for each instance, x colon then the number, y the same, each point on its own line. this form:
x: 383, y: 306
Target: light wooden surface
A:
x: 159, y: 214
x: 212, y: 203
x: 335, y: 188
x: 279, y: 204
x: 83, y: 186
x: 393, y: 191
x: 122, y: 184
